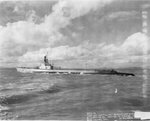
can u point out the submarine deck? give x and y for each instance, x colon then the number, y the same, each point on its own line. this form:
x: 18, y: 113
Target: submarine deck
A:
x: 73, y: 71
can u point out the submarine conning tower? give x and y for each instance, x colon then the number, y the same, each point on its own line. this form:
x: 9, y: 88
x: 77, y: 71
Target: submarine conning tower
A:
x: 46, y: 63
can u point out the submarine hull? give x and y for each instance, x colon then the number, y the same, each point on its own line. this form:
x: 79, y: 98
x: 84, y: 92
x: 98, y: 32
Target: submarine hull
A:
x: 72, y: 71
x: 56, y: 71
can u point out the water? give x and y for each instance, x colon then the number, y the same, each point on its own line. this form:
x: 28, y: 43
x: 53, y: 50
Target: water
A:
x: 68, y: 97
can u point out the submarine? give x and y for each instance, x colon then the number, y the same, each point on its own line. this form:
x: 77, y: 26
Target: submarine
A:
x: 49, y: 68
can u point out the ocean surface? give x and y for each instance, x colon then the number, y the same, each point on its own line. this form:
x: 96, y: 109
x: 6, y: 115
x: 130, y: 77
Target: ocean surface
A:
x: 70, y: 97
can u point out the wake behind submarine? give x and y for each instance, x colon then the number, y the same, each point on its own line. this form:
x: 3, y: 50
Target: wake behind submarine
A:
x: 47, y: 67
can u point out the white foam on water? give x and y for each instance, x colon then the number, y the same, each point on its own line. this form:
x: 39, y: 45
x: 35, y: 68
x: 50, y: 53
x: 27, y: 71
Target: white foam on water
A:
x: 3, y: 108
x: 142, y: 115
x: 116, y: 90
x: 36, y: 87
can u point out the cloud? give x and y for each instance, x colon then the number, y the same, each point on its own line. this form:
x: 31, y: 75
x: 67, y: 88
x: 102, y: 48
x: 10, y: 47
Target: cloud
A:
x: 123, y: 15
x: 23, y: 37
x: 136, y: 44
x: 29, y: 41
x: 14, y: 11
x: 31, y: 16
x: 102, y: 55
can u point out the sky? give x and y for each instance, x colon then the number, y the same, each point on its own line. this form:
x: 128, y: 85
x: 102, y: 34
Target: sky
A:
x: 74, y: 33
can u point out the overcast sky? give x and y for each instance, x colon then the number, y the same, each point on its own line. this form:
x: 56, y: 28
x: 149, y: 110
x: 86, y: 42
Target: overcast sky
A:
x: 75, y: 33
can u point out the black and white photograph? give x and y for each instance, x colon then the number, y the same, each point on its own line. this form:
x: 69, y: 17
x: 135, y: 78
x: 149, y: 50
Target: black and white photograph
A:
x: 71, y: 60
